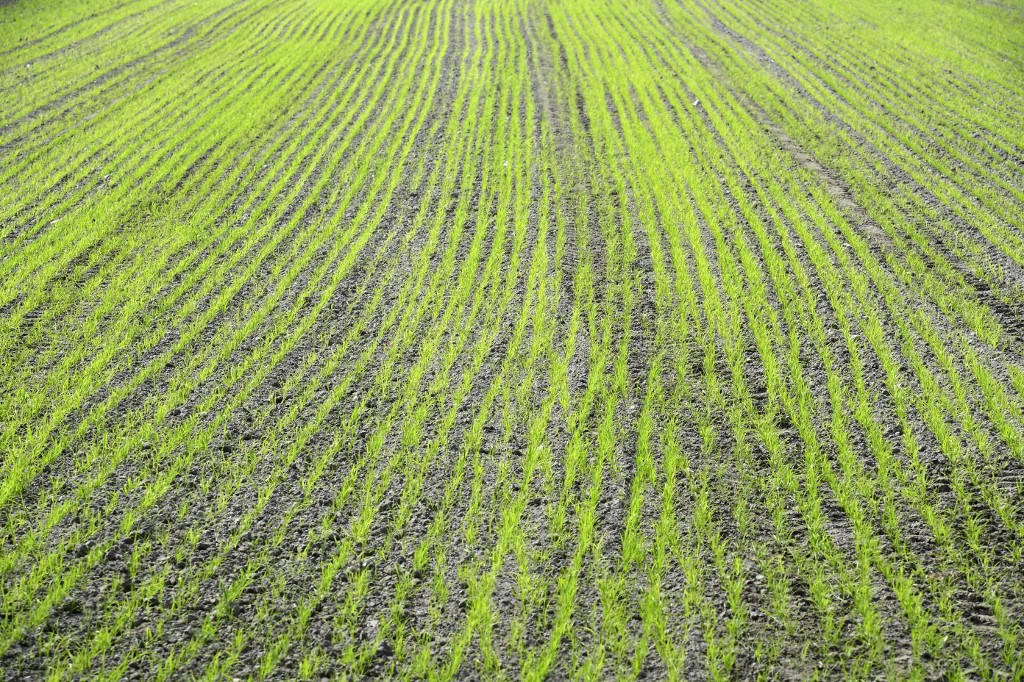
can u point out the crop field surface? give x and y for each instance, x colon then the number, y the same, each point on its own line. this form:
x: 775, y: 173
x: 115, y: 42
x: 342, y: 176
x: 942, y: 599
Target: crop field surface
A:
x: 511, y: 339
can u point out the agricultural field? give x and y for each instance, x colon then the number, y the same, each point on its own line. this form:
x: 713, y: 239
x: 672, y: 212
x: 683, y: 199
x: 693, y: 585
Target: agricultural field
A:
x: 511, y: 339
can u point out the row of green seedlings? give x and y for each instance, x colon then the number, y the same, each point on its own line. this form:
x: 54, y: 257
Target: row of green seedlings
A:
x: 855, y: 69
x: 377, y: 441
x: 81, y: 317
x: 310, y: 428
x: 279, y: 330
x: 32, y: 304
x: 164, y: 164
x: 439, y: 597
x: 422, y: 659
x: 393, y: 628
x: 38, y: 61
x: 84, y: 246
x: 56, y: 130
x: 411, y: 465
x: 701, y: 403
x: 612, y: 588
x: 936, y: 422
x: 905, y: 397
x: 720, y: 655
x: 488, y: 531
x: 616, y: 574
x: 790, y: 321
x: 125, y: 205
x: 746, y: 421
x: 357, y: 656
x: 590, y: 427
x: 970, y: 91
x: 77, y: 159
x: 983, y: 156
x: 268, y: 451
x: 944, y: 282
x: 539, y: 661
x: 983, y: 322
x: 197, y: 327
x: 960, y: 242
x: 59, y: 25
x: 498, y: 533
x: 55, y: 91
x: 1000, y: 407
x: 539, y: 248
x: 123, y: 610
x: 129, y: 293
x: 954, y: 191
x: 346, y: 624
x: 545, y: 598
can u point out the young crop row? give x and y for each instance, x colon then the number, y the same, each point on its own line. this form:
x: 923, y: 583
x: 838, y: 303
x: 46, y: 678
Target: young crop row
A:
x: 507, y: 338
